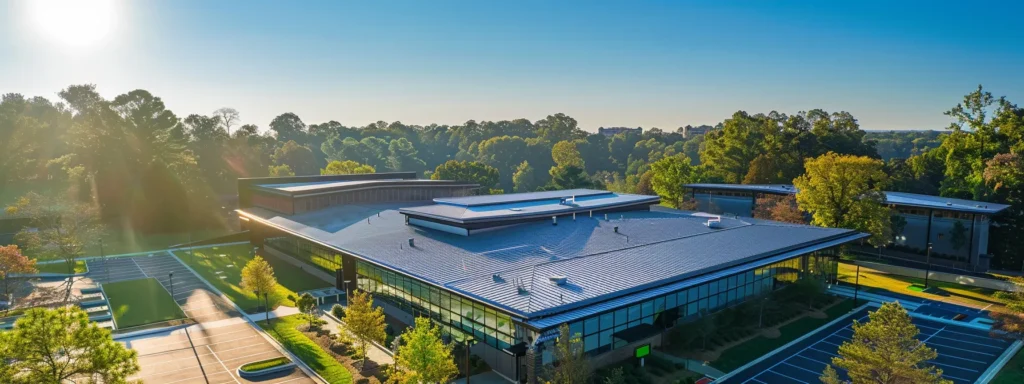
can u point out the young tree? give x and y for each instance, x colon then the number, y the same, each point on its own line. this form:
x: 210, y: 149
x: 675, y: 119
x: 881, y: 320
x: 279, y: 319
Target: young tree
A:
x: 565, y: 153
x: 779, y: 208
x: 1011, y: 321
x: 845, y: 192
x: 423, y: 358
x: 13, y: 262
x: 365, y: 321
x: 58, y: 345
x: 62, y: 229
x: 570, y: 177
x: 668, y: 177
x: 885, y: 350
x: 307, y: 305
x: 258, y: 276
x: 572, y: 365
x: 298, y: 158
x: 346, y: 167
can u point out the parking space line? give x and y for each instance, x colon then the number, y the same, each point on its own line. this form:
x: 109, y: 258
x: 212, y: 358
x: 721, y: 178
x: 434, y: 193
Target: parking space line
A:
x: 254, y: 354
x: 222, y: 364
x: 801, y: 368
x: 968, y: 342
x: 788, y: 377
x: 290, y: 380
x: 961, y: 349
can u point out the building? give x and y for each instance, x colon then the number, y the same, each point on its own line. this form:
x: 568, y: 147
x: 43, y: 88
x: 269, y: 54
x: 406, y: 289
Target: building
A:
x: 612, y: 131
x: 504, y: 271
x: 930, y: 219
x: 689, y: 130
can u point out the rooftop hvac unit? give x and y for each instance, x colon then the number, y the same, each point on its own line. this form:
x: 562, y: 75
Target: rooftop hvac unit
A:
x: 715, y: 223
x: 559, y: 279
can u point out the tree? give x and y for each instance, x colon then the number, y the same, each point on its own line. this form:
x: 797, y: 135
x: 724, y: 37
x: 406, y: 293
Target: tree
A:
x: 668, y: 176
x: 307, y: 305
x: 645, y: 184
x: 227, y: 117
x: 58, y: 345
x: 346, y: 167
x: 402, y: 156
x: 503, y: 153
x: 779, y: 208
x: 1004, y: 174
x: 280, y: 170
x: 524, y: 179
x: 566, y: 154
x: 842, y: 191
x: 365, y: 321
x: 258, y: 276
x: 288, y: 127
x: 569, y: 177
x: 297, y: 157
x: 885, y: 350
x: 61, y: 229
x: 558, y: 127
x: 12, y: 262
x: 423, y: 358
x: 467, y: 171
x: 572, y: 365
x: 1011, y: 322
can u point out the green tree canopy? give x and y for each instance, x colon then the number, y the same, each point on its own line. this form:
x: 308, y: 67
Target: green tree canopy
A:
x: 468, y: 171
x: 525, y: 179
x: 346, y: 167
x: 842, y: 191
x: 58, y: 345
x: 298, y: 158
x: 365, y: 321
x: 423, y: 358
x: 885, y: 350
x: 668, y: 176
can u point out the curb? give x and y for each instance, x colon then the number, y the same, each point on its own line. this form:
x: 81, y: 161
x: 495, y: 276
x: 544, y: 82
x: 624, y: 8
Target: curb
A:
x: 295, y: 359
x: 151, y: 331
x: 266, y: 371
x: 998, y: 365
x: 791, y: 343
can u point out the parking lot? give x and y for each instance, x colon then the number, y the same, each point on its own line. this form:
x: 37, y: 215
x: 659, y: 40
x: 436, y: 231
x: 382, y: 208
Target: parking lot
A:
x: 963, y: 353
x: 191, y: 293
x: 219, y: 349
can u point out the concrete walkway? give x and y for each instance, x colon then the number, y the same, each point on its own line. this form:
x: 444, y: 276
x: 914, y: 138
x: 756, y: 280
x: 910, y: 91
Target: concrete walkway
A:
x: 281, y: 311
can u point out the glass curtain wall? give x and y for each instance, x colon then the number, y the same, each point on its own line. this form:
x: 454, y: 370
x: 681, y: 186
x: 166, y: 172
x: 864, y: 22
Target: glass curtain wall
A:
x: 316, y: 255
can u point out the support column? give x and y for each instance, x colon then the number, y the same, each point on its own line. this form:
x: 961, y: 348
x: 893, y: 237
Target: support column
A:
x: 928, y: 233
x: 970, y: 248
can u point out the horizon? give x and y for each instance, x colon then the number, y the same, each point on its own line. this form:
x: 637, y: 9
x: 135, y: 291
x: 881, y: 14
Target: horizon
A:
x: 607, y: 64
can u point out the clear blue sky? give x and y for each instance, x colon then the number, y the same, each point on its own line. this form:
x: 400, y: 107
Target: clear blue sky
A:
x: 630, y: 63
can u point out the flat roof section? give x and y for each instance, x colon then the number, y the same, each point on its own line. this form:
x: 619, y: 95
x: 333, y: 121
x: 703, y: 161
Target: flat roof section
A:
x: 302, y: 188
x: 632, y: 252
x: 893, y: 198
x: 514, y: 206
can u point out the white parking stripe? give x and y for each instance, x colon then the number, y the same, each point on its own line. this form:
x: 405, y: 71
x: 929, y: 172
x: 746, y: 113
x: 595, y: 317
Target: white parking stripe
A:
x: 222, y: 364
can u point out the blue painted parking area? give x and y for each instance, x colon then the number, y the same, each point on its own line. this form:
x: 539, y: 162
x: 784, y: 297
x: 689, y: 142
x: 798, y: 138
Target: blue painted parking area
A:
x: 963, y: 353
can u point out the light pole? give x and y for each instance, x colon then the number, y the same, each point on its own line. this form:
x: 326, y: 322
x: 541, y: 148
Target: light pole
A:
x: 928, y: 265
x: 106, y: 269
x: 170, y: 276
x: 856, y: 286
x: 468, y: 344
x: 266, y: 301
x: 344, y: 284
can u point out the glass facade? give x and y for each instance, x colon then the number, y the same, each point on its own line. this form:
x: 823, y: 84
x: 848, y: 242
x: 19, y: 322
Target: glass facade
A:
x: 316, y: 255
x: 456, y: 315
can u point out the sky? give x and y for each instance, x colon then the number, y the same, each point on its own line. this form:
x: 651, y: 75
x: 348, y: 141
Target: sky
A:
x: 892, y: 64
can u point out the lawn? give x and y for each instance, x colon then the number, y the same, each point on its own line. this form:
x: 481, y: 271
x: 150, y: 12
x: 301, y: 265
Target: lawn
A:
x: 752, y: 349
x: 283, y: 329
x: 229, y: 261
x: 140, y: 302
x: 61, y: 267
x: 956, y: 293
x: 1012, y: 372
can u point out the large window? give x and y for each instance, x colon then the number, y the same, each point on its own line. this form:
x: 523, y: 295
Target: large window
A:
x: 320, y: 257
x: 457, y: 316
x: 596, y: 331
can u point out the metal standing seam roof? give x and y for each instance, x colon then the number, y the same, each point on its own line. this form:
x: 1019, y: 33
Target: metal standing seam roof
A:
x: 316, y: 186
x: 650, y: 249
x: 893, y: 198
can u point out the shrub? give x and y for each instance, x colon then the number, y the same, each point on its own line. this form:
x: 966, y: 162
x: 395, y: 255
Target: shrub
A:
x: 338, y: 311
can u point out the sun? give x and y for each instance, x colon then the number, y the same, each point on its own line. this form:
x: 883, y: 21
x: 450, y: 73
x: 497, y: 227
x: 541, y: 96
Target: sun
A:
x: 77, y: 23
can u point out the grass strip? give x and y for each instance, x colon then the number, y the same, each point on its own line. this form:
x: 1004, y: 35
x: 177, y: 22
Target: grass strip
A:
x: 265, y: 364
x: 285, y: 331
x: 140, y: 302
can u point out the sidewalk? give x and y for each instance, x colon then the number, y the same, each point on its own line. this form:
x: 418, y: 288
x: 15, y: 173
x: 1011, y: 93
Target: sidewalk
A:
x: 281, y: 311
x: 373, y: 352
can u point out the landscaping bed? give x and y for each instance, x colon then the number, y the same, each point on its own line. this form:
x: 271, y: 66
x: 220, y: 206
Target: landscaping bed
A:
x: 264, y: 367
x: 336, y: 362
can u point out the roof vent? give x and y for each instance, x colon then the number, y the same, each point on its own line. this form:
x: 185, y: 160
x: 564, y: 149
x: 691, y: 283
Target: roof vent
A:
x: 516, y: 209
x: 616, y: 229
x: 412, y: 242
x: 554, y: 220
x: 715, y: 223
x: 948, y: 203
x: 558, y: 279
x: 497, y: 278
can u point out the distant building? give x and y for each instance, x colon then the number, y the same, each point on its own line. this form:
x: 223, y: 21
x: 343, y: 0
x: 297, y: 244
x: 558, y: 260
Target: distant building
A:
x: 930, y: 219
x: 612, y: 131
x: 689, y: 130
x: 504, y: 271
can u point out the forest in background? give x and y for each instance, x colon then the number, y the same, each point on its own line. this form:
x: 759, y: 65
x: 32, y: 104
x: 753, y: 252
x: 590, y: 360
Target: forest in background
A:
x: 147, y: 168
